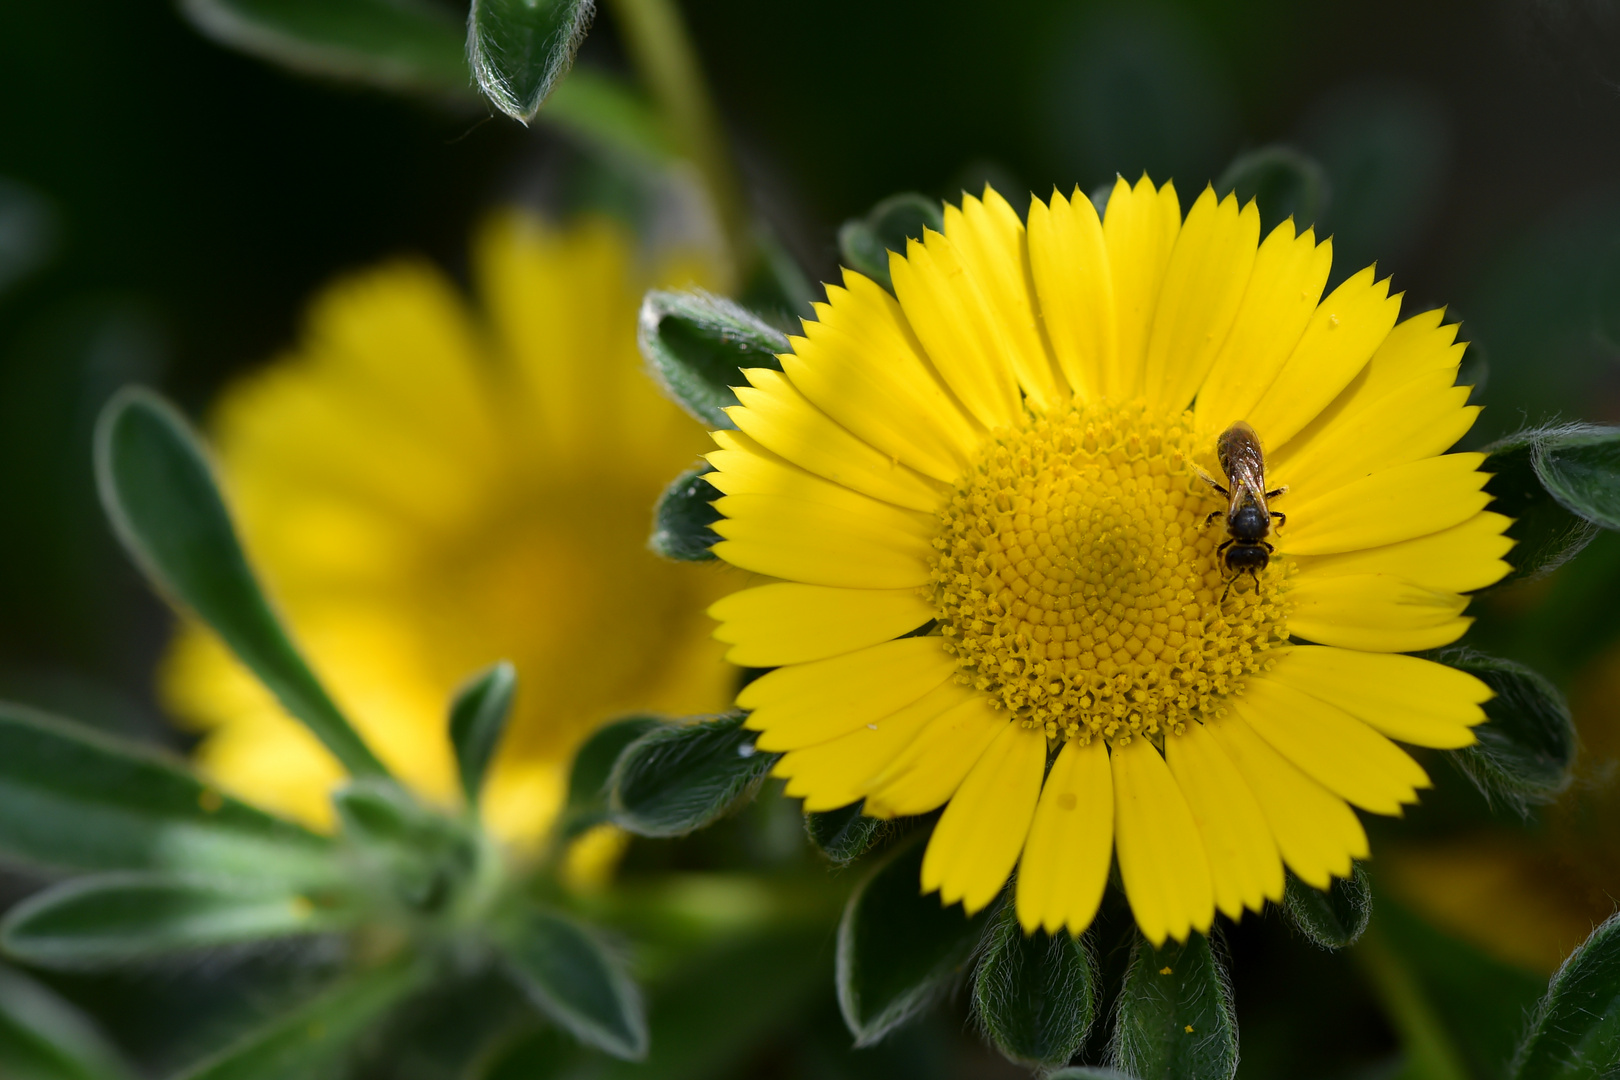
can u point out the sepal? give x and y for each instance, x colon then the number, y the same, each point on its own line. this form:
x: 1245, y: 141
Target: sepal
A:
x: 678, y: 778
x: 864, y: 243
x: 1034, y: 995
x: 696, y: 346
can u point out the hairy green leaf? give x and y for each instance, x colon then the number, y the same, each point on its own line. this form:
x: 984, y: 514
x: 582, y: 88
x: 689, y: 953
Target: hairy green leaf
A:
x: 477, y: 719
x: 309, y: 1038
x: 589, y: 777
x: 422, y: 856
x: 1575, y: 1034
x: 681, y: 777
x: 1560, y: 484
x: 899, y: 950
x: 864, y: 243
x: 73, y: 798
x: 113, y: 918
x: 1033, y: 994
x: 42, y: 1037
x: 573, y: 979
x: 1335, y: 918
x: 1175, y: 1015
x: 159, y: 491
x: 1086, y: 1072
x: 683, y: 516
x: 845, y: 834
x: 1285, y: 182
x: 519, y: 49
x: 1527, y: 744
x: 696, y: 345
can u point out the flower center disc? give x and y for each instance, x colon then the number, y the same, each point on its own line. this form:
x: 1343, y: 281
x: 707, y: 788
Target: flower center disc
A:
x: 1077, y: 584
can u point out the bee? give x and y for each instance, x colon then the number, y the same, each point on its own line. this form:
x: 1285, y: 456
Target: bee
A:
x: 1248, y: 518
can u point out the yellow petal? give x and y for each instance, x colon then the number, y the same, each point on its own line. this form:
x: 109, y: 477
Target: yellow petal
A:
x: 991, y: 243
x: 1204, y: 283
x: 784, y: 422
x: 1332, y: 747
x: 978, y: 838
x: 817, y: 544
x: 954, y: 322
x: 1316, y: 832
x: 839, y: 771
x: 1341, y: 337
x: 1161, y: 856
x: 1064, y: 868
x: 789, y: 623
x: 863, y: 366
x: 1418, y: 347
x: 1374, y: 612
x: 1244, y: 866
x: 929, y: 771
x: 1140, y: 229
x: 1068, y: 259
x: 1414, y: 700
x: 1287, y: 281
x: 803, y: 704
x: 1459, y: 559
x: 1392, y: 505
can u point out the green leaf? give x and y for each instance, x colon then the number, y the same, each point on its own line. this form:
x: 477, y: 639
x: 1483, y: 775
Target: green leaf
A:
x: 1086, y: 1072
x: 681, y: 777
x: 519, y: 49
x: 1285, y: 182
x: 696, y: 346
x: 42, y: 1037
x: 899, y: 950
x: 683, y: 516
x: 864, y: 243
x: 113, y: 918
x: 72, y: 798
x: 588, y: 778
x: 573, y: 979
x: 424, y: 857
x: 1335, y: 918
x: 1527, y: 744
x: 1575, y: 1034
x: 1560, y: 484
x: 318, y: 1032
x: 477, y: 719
x: 159, y: 491
x: 1033, y: 994
x: 1174, y: 1013
x: 846, y: 834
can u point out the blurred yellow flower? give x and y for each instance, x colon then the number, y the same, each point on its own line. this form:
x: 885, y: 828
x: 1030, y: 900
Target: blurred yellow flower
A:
x: 426, y: 489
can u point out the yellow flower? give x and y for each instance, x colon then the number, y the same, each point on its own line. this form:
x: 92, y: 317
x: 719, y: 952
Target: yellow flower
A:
x: 427, y: 490
x: 985, y: 505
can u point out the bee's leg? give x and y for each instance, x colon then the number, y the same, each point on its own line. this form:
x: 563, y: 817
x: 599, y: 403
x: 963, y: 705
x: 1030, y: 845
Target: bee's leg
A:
x: 1280, y: 491
x: 1213, y: 514
x: 1228, y: 590
x: 1282, y: 518
x: 1224, y: 546
x: 1268, y: 548
x: 1211, y: 481
x: 1252, y: 572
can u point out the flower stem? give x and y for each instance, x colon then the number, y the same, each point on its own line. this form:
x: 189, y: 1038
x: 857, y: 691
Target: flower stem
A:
x: 1430, y: 1052
x: 661, y: 50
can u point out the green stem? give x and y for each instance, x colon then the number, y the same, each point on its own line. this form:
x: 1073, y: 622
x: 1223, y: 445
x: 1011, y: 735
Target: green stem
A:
x: 660, y: 48
x: 1430, y: 1052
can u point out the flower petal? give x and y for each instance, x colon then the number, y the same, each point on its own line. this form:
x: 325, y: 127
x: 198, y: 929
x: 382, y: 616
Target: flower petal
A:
x: 1459, y: 559
x: 789, y: 623
x: 954, y: 322
x: 1395, y: 504
x: 1374, y: 612
x: 1064, y: 868
x: 863, y: 366
x: 1204, y: 284
x: 978, y: 838
x: 1161, y: 854
x: 991, y: 243
x: 1341, y: 337
x: 1140, y: 228
x: 1068, y: 259
x: 1284, y: 287
x: 929, y: 771
x: 1332, y: 747
x: 1407, y: 698
x: 1244, y: 866
x: 803, y: 704
x: 1317, y: 833
x: 820, y: 544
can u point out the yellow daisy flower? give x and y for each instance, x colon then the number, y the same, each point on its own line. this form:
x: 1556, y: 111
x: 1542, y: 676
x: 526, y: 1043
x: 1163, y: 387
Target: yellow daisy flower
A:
x: 424, y: 491
x: 1002, y: 589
